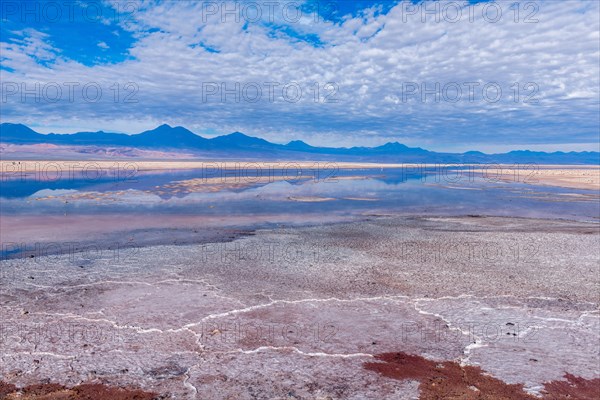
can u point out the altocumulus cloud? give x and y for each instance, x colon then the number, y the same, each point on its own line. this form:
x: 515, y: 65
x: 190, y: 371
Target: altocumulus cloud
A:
x: 375, y: 73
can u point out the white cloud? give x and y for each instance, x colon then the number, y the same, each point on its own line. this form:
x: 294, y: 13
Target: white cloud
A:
x: 371, y: 58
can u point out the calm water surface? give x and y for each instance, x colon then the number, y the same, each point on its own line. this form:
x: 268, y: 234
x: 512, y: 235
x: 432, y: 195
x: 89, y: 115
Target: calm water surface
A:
x: 45, y: 208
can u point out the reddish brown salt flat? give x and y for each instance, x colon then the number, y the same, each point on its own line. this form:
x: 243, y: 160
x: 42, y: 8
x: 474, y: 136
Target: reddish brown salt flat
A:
x: 450, y: 380
x: 86, y: 391
x: 573, y: 387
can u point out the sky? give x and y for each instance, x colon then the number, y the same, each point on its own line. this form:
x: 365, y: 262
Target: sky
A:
x: 446, y: 75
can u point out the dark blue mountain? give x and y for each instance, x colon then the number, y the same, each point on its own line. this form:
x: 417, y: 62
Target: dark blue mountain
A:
x: 238, y: 139
x: 18, y: 134
x: 298, y: 145
x: 166, y: 136
x: 88, y: 138
x: 238, y: 144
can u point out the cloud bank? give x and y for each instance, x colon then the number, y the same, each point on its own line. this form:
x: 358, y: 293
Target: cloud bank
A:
x: 443, y: 75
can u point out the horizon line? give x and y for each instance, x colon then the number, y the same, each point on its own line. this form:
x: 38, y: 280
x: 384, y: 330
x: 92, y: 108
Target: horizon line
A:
x: 513, y: 149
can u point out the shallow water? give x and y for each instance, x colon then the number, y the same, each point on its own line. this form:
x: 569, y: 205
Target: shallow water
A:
x: 195, y: 192
x: 179, y: 206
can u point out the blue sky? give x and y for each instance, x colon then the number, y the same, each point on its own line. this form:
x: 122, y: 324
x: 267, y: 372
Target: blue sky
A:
x: 330, y: 73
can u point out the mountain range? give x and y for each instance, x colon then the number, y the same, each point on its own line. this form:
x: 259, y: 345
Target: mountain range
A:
x: 239, y: 145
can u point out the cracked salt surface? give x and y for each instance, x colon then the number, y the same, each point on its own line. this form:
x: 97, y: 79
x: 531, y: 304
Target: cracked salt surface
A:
x: 174, y: 320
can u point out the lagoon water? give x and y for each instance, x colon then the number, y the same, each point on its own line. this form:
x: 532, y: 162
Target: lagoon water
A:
x: 141, y: 208
x: 189, y: 206
x: 339, y: 193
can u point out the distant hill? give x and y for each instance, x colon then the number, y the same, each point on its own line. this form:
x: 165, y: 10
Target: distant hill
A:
x: 237, y: 144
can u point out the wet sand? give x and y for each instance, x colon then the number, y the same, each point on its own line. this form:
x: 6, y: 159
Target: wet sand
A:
x: 587, y: 177
x: 10, y: 166
x: 44, y: 236
x: 298, y: 312
x: 568, y: 176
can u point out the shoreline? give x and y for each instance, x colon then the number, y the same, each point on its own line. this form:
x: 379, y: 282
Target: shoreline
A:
x: 574, y: 178
x: 32, y: 165
x: 567, y: 176
x: 194, y: 235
